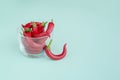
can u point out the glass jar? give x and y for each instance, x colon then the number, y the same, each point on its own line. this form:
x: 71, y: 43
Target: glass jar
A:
x: 31, y: 47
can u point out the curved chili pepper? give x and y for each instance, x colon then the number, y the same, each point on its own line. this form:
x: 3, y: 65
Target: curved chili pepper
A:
x: 50, y: 27
x: 41, y: 34
x: 32, y: 43
x: 57, y: 56
x: 32, y: 47
x: 42, y: 40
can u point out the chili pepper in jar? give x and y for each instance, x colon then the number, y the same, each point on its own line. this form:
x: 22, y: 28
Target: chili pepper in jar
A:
x: 41, y: 26
x: 28, y: 25
x: 34, y: 29
x: 27, y: 32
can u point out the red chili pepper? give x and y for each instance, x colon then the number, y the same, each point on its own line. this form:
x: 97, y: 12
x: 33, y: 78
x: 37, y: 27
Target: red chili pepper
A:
x: 38, y: 29
x: 41, y: 34
x: 42, y: 40
x: 50, y: 27
x: 27, y: 32
x: 57, y: 56
x: 32, y: 52
x: 28, y: 25
x: 41, y: 26
x: 31, y: 46
x: 32, y: 43
x: 34, y: 29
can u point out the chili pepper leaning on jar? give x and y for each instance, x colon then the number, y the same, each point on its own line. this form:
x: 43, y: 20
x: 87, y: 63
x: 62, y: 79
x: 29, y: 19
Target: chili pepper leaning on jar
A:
x: 55, y: 56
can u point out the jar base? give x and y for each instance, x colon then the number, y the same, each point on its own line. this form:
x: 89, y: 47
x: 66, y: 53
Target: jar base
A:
x: 25, y: 53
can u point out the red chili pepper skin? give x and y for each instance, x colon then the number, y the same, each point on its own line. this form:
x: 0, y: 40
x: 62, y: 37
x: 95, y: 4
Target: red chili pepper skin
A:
x: 50, y: 27
x: 28, y: 25
x: 32, y: 52
x: 34, y: 32
x: 32, y: 43
x: 57, y: 56
x: 31, y: 46
x: 34, y: 29
x: 41, y: 26
x: 42, y: 34
x: 42, y: 40
x: 28, y: 34
x: 40, y: 29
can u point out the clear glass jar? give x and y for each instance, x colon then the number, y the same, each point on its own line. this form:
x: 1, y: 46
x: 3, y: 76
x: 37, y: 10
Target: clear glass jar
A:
x: 31, y: 47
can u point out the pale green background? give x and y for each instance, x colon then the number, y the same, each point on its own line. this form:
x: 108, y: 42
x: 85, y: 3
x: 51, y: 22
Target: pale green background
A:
x: 91, y: 29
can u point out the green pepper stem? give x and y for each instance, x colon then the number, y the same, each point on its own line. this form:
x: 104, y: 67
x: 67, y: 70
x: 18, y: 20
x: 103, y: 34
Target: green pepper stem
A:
x: 49, y: 44
x: 44, y: 23
x: 34, y: 24
x: 28, y: 29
